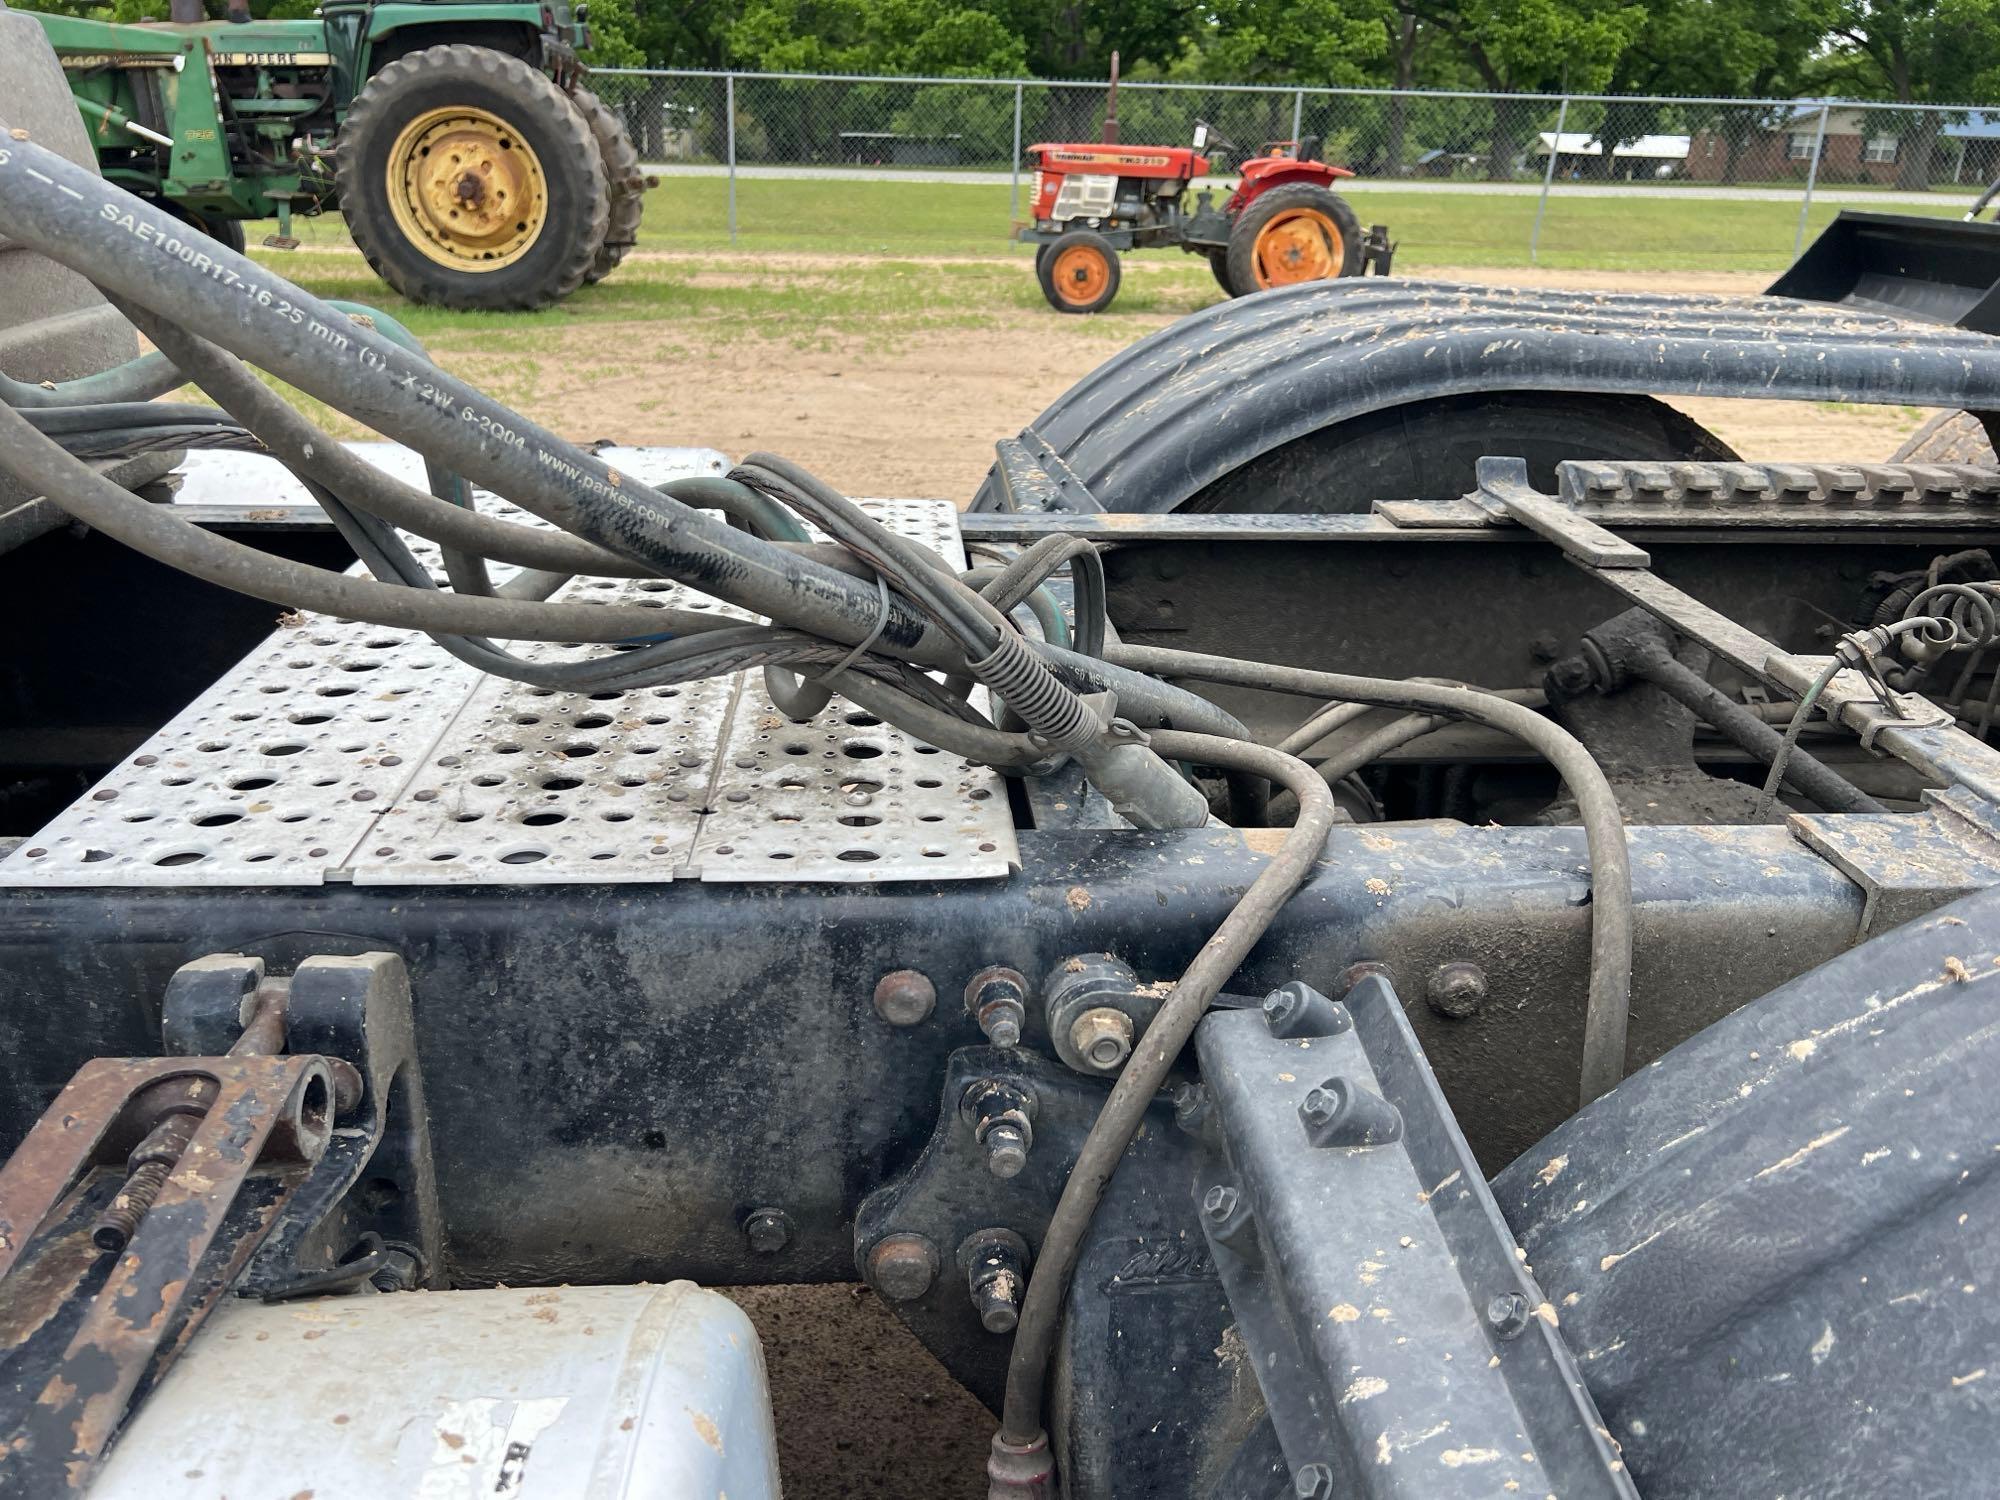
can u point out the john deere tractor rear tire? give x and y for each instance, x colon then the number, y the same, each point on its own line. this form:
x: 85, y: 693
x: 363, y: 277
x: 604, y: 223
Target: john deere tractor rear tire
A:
x: 469, y: 180
x: 1293, y: 234
x: 622, y: 179
x: 1078, y: 272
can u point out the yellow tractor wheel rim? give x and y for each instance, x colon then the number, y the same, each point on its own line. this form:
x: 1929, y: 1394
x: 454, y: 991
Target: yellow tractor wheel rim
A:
x: 1300, y: 244
x: 1080, y: 274
x: 466, y: 189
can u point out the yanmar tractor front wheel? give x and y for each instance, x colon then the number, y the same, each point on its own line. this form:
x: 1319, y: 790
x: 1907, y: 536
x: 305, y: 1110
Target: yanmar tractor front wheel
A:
x: 1078, y: 272
x: 469, y: 180
x: 1293, y: 234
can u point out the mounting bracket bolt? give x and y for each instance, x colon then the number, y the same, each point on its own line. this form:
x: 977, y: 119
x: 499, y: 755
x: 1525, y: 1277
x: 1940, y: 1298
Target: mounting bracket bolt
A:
x: 995, y: 1262
x: 904, y: 997
x: 1103, y: 1036
x: 997, y: 999
x: 1507, y: 1314
x: 767, y: 1230
x: 1456, y: 989
x: 902, y: 1266
x: 1340, y: 1113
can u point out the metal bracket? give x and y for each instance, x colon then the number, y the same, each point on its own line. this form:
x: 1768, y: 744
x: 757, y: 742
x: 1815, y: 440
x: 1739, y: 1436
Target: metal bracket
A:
x: 86, y: 1329
x: 1909, y: 864
x: 1504, y: 491
x: 1370, y: 1271
x: 1033, y: 477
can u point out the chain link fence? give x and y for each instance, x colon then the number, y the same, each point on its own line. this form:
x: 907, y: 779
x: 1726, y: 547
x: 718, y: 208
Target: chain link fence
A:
x: 1552, y: 149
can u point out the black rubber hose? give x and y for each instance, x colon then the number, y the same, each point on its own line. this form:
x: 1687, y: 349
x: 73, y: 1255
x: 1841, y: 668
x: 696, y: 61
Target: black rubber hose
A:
x: 129, y: 247
x: 44, y: 468
x: 57, y: 421
x: 1810, y: 776
x: 146, y: 378
x: 1607, y: 1010
x: 307, y: 450
x: 1153, y: 1057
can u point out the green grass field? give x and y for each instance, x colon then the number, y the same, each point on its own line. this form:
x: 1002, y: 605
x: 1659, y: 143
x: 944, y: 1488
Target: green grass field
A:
x: 1667, y: 233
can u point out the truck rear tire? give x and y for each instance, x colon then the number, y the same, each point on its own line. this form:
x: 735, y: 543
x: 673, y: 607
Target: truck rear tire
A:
x: 1950, y: 437
x: 1078, y: 272
x: 469, y: 180
x: 1293, y: 234
x: 622, y: 179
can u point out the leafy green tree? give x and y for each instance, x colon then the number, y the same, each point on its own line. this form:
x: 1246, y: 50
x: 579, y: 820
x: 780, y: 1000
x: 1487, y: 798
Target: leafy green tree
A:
x: 1310, y: 42
x: 1914, y: 52
x: 1525, y: 46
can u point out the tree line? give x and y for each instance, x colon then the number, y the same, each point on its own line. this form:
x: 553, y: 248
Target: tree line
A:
x: 1909, y: 51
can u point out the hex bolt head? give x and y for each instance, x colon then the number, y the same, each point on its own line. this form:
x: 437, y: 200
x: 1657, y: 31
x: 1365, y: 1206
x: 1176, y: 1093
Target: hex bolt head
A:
x: 1507, y: 1314
x: 902, y: 1266
x: 1313, y: 1482
x: 1006, y: 1149
x: 1102, y: 1036
x: 904, y: 997
x: 1340, y: 1112
x: 1220, y: 1203
x: 1456, y: 989
x: 767, y: 1230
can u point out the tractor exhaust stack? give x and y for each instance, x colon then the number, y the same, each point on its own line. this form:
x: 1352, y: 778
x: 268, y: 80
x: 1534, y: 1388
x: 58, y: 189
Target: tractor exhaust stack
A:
x: 1111, y: 106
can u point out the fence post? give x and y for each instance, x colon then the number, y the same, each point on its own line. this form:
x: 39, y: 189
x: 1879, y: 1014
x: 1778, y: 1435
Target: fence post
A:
x: 729, y: 109
x: 1014, y: 188
x: 1812, y: 177
x: 1548, y: 177
x: 1298, y: 113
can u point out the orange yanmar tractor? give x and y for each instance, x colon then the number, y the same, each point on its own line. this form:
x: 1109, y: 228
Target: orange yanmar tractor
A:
x: 1283, y: 224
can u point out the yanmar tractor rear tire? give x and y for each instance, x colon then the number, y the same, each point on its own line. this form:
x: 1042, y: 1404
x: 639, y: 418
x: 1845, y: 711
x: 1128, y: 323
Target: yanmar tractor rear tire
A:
x: 1218, y: 262
x: 622, y: 179
x: 469, y: 180
x: 1292, y: 234
x: 1078, y: 272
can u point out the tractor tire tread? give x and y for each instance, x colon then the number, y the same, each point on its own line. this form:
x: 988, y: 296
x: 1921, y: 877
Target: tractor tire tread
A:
x: 623, y: 179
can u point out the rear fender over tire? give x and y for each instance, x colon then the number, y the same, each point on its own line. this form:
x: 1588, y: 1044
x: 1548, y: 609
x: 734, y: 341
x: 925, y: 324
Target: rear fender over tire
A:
x: 1185, y: 409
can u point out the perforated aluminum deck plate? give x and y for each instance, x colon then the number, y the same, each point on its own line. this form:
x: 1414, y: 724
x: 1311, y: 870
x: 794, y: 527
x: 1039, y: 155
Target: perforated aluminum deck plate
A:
x: 341, y: 751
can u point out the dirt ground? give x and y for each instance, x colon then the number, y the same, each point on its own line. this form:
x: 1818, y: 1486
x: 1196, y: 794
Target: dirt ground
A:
x: 921, y: 417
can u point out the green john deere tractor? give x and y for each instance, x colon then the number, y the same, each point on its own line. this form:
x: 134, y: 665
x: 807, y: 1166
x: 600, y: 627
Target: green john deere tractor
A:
x: 473, y: 167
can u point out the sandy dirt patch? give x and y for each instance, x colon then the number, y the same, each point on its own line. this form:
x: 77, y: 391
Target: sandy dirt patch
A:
x: 920, y: 416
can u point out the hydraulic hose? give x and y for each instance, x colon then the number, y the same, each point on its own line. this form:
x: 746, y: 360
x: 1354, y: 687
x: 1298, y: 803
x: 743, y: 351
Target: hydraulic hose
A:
x: 146, y: 378
x: 43, y: 467
x: 1151, y: 1060
x: 1608, y: 1007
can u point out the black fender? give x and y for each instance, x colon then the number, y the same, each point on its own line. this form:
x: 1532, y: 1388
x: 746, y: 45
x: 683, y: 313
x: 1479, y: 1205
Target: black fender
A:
x: 1160, y: 422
